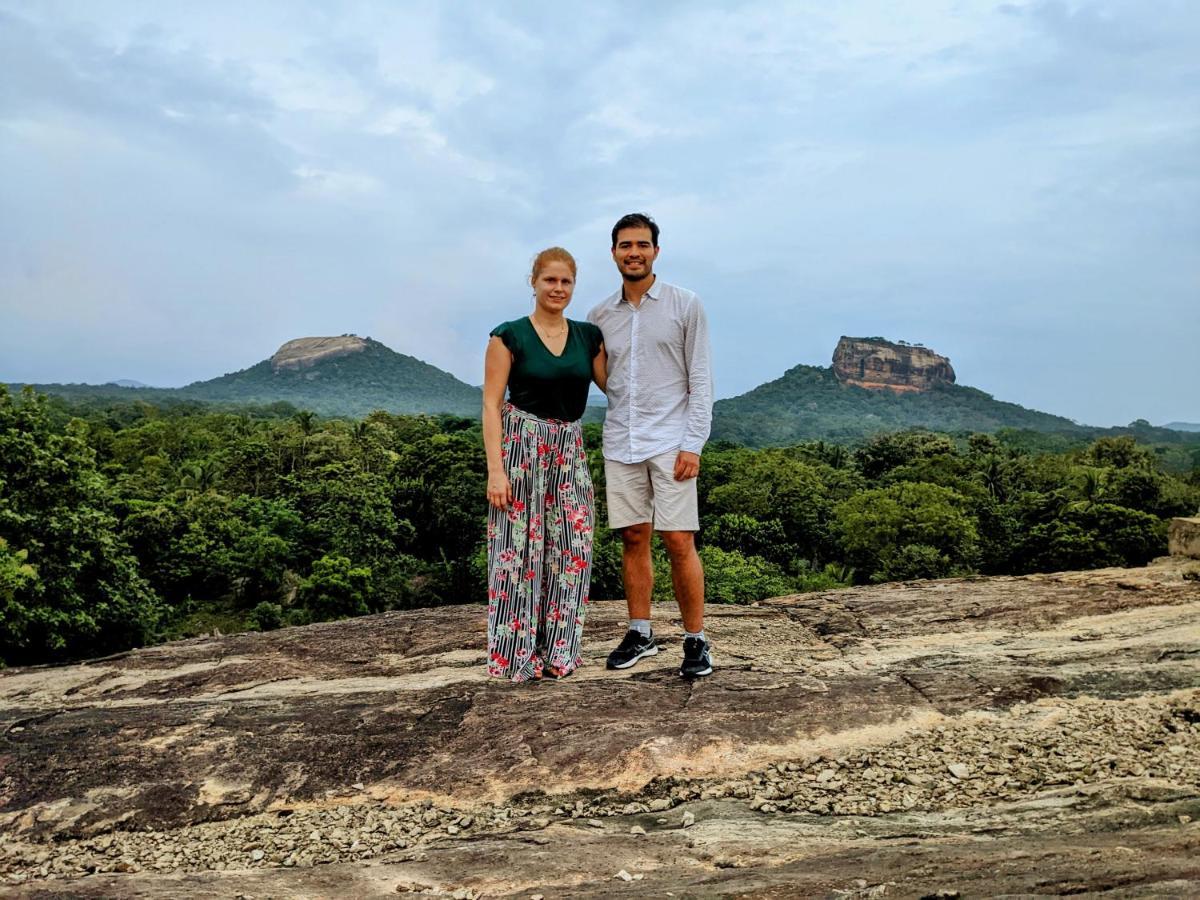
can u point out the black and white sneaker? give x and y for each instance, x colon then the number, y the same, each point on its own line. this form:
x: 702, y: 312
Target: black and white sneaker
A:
x: 696, y: 659
x: 633, y: 647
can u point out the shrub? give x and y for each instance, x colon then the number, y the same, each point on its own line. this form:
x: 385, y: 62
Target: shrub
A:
x: 731, y: 577
x: 336, y: 589
x: 267, y: 616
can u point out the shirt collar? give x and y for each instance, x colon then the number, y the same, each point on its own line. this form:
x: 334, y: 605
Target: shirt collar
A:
x: 652, y: 293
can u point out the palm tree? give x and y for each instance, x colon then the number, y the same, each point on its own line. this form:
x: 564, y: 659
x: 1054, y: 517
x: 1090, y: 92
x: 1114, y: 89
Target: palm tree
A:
x: 359, y: 434
x: 992, y: 476
x: 1091, y: 486
x: 307, y: 421
x: 198, y: 477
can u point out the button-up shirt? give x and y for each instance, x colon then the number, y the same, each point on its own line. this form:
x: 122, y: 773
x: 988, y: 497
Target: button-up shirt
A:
x: 660, y: 391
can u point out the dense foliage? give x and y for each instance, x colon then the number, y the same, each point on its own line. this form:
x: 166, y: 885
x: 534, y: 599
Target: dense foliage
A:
x: 122, y: 523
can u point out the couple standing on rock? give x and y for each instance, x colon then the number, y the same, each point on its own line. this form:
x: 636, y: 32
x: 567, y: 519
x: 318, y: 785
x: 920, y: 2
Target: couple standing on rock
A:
x: 646, y: 346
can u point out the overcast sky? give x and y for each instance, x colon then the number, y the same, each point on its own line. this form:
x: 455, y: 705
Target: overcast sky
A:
x: 1017, y: 185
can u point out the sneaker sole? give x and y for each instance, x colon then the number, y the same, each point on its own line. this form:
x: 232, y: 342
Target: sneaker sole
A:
x: 650, y: 651
x: 707, y: 671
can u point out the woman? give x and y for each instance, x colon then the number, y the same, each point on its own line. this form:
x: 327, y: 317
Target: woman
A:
x: 539, y: 489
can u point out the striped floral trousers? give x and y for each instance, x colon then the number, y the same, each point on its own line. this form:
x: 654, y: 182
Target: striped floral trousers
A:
x: 539, y: 549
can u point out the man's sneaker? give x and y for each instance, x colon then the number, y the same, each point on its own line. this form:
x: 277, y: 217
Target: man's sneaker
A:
x: 633, y: 647
x: 696, y: 659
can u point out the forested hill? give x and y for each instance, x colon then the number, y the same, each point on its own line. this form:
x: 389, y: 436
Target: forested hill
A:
x: 354, y: 384
x: 810, y: 403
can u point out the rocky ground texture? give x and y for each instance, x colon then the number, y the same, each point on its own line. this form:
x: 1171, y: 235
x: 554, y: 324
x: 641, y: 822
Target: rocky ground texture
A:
x: 1034, y: 736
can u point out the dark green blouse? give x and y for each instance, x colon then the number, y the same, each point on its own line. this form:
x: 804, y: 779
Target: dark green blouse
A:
x: 549, y: 386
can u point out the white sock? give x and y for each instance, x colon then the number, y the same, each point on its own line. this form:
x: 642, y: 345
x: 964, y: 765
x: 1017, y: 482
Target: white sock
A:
x: 696, y: 634
x: 641, y: 626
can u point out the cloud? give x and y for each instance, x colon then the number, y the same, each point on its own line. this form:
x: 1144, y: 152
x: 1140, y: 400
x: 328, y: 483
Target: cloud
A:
x: 983, y: 178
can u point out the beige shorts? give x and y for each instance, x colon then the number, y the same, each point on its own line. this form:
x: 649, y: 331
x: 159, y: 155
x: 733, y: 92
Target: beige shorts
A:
x: 648, y: 492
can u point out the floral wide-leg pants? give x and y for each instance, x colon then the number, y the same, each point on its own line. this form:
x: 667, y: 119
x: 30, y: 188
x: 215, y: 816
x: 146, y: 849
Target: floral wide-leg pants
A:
x: 539, y: 549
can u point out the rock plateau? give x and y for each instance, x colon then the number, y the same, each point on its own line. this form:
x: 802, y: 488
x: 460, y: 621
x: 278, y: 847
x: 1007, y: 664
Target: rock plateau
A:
x: 883, y: 365
x: 1031, y: 736
x: 303, y: 353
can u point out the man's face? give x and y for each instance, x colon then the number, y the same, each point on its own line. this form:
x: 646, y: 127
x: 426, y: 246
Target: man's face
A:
x: 635, y: 253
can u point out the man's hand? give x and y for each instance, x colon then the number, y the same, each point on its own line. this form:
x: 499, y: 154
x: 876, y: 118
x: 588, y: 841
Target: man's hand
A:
x: 687, y: 465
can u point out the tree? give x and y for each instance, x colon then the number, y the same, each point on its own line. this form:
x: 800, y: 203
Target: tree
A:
x: 1099, y: 534
x: 336, y: 588
x: 1119, y: 453
x: 877, y: 526
x: 732, y: 577
x: 348, y: 512
x: 750, y: 537
x: 779, y: 485
x: 885, y: 452
x: 86, y: 596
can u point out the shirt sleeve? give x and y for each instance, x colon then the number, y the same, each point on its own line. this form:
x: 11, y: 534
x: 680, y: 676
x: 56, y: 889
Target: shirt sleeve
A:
x: 597, y: 340
x: 697, y: 357
x: 504, y: 331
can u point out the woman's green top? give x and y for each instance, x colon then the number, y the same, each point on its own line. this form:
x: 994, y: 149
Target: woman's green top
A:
x: 549, y: 386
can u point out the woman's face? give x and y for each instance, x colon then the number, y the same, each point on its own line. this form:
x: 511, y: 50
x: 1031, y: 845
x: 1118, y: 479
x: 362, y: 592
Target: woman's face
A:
x: 553, y: 287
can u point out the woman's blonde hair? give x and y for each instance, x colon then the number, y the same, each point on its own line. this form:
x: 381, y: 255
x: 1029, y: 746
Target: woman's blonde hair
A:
x: 549, y: 255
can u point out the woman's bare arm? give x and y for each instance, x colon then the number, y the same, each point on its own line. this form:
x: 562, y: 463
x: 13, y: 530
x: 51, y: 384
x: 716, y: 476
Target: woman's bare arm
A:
x: 600, y: 369
x: 496, y: 368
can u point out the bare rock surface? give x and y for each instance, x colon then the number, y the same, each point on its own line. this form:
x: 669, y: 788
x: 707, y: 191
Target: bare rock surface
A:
x: 1032, y: 736
x: 877, y: 364
x: 301, y: 353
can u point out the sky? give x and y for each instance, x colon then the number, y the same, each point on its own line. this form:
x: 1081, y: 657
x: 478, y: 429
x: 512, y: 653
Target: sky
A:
x: 1014, y: 185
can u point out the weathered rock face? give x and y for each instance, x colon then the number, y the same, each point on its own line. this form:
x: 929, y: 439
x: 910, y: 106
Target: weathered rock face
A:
x: 878, y: 364
x: 302, y: 353
x: 1183, y: 537
x: 1027, y: 736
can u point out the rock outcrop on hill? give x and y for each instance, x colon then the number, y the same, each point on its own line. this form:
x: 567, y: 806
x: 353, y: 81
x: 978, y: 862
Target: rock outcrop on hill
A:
x: 341, y: 376
x: 1035, y: 735
x: 878, y: 364
x: 302, y: 353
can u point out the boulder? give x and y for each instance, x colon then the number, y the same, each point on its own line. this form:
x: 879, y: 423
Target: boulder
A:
x: 1183, y: 537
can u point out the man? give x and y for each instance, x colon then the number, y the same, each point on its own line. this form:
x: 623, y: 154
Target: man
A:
x: 659, y: 413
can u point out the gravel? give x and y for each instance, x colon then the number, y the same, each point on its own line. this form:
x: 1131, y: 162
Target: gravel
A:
x: 977, y: 760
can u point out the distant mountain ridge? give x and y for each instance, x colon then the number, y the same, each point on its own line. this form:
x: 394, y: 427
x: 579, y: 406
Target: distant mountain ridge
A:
x: 353, y: 376
x: 1183, y: 426
x: 344, y: 376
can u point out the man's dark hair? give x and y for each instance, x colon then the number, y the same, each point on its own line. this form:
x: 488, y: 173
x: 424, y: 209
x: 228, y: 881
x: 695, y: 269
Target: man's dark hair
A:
x: 636, y: 220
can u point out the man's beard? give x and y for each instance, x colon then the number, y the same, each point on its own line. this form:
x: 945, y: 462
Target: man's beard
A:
x: 649, y: 273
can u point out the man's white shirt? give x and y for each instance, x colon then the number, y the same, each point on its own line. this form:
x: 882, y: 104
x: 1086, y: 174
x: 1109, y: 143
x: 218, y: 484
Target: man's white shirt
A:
x: 660, y: 391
